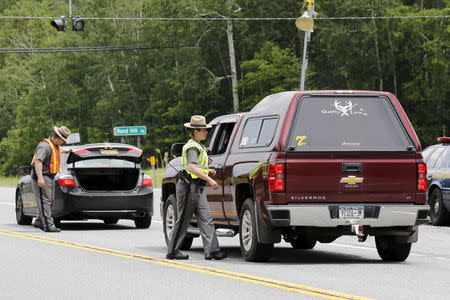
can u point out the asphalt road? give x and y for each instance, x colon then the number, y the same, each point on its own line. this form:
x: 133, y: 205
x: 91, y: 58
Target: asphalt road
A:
x: 91, y: 260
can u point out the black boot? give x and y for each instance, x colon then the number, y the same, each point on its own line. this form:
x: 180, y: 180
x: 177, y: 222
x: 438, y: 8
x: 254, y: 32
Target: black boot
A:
x: 217, y: 255
x: 51, y: 229
x: 177, y: 255
x: 38, y: 223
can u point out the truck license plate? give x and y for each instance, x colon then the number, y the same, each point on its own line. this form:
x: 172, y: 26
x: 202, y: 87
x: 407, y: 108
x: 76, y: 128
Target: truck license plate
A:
x: 351, y: 212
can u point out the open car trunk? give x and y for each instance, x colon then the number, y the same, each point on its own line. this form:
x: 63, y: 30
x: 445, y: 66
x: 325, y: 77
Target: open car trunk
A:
x: 107, y: 179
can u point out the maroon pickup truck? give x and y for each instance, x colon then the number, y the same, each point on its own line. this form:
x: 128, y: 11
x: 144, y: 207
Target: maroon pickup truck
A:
x: 313, y: 166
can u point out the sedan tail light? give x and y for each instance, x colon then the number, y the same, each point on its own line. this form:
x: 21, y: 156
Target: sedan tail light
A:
x: 147, y: 181
x: 422, y: 181
x: 66, y: 180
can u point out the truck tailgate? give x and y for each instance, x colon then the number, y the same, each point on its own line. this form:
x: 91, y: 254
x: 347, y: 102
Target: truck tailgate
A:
x: 365, y: 177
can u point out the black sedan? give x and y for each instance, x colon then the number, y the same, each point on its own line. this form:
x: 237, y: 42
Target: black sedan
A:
x: 98, y: 181
x: 437, y: 158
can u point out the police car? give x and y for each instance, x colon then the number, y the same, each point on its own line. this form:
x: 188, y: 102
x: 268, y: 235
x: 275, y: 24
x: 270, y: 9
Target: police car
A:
x: 437, y: 158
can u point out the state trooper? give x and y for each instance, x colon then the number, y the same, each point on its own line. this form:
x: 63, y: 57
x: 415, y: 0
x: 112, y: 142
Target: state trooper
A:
x: 45, y: 164
x: 191, y: 198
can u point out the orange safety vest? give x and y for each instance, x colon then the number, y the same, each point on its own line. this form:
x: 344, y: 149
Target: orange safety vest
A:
x: 55, y: 159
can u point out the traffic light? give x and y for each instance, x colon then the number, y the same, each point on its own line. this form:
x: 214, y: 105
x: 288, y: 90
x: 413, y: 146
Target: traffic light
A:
x: 60, y: 24
x: 78, y: 25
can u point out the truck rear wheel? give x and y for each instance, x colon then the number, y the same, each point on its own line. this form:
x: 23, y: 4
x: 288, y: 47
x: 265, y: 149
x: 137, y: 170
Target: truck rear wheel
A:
x: 251, y: 249
x: 439, y: 215
x: 303, y: 243
x: 170, y: 217
x: 391, y: 250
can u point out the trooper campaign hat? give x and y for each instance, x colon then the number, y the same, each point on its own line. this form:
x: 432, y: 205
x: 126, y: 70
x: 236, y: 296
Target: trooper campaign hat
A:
x: 197, y: 122
x: 63, y: 132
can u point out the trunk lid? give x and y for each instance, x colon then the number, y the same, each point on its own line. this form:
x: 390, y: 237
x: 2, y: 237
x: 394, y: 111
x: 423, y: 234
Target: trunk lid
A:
x: 115, y: 151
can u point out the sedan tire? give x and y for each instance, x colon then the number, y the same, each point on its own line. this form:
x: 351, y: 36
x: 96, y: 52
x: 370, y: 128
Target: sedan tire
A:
x: 439, y: 215
x: 111, y: 221
x: 143, y: 223
x: 20, y: 217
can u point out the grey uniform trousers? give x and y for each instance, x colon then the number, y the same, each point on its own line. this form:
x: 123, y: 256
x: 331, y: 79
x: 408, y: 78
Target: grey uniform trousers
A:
x: 44, y: 199
x: 190, y: 200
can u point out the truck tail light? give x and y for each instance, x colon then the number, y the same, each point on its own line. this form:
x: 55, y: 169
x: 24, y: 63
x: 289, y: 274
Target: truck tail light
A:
x: 276, y: 177
x: 147, y: 181
x: 422, y: 181
x: 66, y: 180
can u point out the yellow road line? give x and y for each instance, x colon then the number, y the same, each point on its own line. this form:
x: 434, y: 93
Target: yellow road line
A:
x: 282, y: 285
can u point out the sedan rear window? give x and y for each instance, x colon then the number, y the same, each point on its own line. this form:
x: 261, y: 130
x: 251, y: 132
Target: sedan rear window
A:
x: 347, y: 124
x: 103, y: 163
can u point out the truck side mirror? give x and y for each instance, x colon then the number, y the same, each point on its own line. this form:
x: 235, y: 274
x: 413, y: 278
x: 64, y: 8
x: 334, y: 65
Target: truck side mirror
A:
x: 177, y: 149
x: 24, y: 170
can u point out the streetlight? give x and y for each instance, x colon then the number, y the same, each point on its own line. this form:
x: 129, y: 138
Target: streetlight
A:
x: 306, y: 24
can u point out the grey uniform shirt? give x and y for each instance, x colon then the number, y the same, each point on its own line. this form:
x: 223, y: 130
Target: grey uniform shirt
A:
x: 44, y: 154
x: 192, y: 155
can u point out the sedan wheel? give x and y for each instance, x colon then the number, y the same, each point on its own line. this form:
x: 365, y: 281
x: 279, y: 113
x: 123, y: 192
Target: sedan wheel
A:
x: 143, y: 223
x: 20, y: 217
x: 439, y: 215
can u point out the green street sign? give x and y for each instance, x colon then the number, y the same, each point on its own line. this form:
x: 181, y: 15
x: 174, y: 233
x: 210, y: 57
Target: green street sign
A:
x: 130, y: 130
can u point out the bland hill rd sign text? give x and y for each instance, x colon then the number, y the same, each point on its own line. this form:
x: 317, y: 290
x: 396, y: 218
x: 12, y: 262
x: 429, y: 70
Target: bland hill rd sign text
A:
x: 130, y: 130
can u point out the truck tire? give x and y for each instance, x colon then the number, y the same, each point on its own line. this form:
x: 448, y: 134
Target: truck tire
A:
x: 438, y: 213
x: 303, y: 243
x: 390, y: 250
x: 251, y: 249
x: 170, y: 217
x: 20, y: 217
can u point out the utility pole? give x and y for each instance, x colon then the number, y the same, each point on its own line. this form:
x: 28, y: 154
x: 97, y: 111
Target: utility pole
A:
x: 232, y: 60
x: 306, y: 24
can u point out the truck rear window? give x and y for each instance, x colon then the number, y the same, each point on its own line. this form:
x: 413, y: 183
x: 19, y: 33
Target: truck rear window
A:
x: 347, y: 124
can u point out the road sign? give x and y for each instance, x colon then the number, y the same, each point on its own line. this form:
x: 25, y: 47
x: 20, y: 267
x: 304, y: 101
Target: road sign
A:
x: 130, y: 130
x: 152, y: 160
x: 73, y: 138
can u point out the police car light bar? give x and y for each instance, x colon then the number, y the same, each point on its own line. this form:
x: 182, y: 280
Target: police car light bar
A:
x: 444, y: 139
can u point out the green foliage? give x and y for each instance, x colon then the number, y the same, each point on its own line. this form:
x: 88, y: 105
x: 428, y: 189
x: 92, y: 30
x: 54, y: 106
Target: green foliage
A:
x: 273, y: 70
x: 92, y: 92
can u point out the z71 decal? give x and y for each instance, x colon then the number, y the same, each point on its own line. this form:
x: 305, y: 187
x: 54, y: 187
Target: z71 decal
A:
x: 301, y: 140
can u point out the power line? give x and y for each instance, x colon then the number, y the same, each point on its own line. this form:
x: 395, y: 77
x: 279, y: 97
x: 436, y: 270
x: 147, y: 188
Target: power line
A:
x: 232, y: 19
x: 88, y: 49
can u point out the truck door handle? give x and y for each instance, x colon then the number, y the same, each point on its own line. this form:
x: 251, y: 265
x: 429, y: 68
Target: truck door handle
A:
x: 352, y: 168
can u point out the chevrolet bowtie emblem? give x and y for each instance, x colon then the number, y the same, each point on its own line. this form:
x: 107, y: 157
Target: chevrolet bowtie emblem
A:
x: 352, y: 181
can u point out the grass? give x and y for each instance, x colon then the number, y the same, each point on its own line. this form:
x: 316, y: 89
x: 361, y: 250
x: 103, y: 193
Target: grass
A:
x: 156, y: 175
x: 9, y: 180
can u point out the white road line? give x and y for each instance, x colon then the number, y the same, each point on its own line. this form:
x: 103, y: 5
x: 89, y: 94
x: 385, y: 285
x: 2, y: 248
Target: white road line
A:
x: 351, y: 246
x: 443, y: 258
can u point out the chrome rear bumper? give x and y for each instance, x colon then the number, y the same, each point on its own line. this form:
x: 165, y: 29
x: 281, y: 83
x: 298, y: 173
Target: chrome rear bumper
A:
x: 325, y: 215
